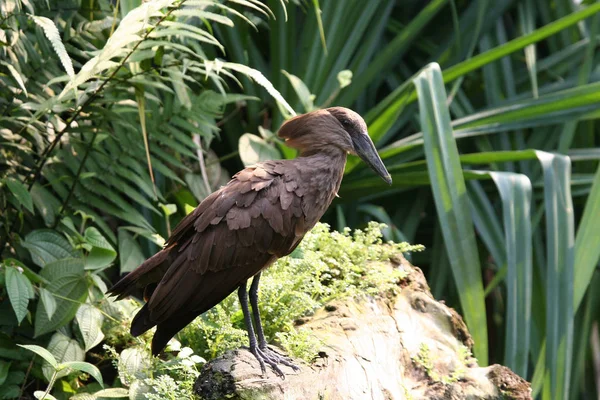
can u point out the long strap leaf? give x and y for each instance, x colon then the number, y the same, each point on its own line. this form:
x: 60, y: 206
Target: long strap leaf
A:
x: 450, y: 194
x: 560, y: 246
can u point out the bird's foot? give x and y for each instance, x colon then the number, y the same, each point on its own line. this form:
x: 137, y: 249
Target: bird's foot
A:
x: 266, y: 355
x: 279, y: 357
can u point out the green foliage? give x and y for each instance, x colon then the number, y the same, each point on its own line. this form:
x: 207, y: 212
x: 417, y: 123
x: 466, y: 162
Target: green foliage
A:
x: 109, y: 144
x: 517, y: 82
x: 106, y: 114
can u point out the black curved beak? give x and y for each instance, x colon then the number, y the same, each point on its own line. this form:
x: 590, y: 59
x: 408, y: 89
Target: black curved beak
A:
x: 365, y: 149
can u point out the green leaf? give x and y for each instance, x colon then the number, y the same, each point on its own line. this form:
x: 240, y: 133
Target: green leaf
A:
x: 40, y: 394
x: 130, y: 254
x: 61, y: 268
x: 254, y: 149
x: 515, y: 192
x: 102, y: 253
x: 303, y: 92
x: 452, y: 203
x: 42, y: 352
x: 168, y: 209
x: 112, y: 393
x: 48, y: 302
x: 382, y: 117
x: 69, y: 292
x: 20, y: 192
x: 54, y: 37
x: 19, y: 291
x: 4, y: 368
x: 16, y: 76
x: 46, y: 246
x: 344, y: 78
x: 133, y: 363
x: 64, y: 349
x: 392, y: 50
x: 560, y: 239
x: 89, y: 320
x: 587, y: 250
x: 256, y: 76
x: 84, y: 367
x: 45, y: 202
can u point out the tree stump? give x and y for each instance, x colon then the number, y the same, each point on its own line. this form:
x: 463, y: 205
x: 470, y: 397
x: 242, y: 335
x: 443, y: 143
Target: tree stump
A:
x: 408, y: 346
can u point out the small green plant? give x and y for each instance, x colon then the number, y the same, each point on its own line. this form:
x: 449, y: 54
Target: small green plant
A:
x: 424, y: 360
x: 63, y: 368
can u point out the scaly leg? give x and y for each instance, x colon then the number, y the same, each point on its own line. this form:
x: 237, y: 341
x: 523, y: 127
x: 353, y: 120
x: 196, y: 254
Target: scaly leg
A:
x: 253, y: 347
x: 262, y: 343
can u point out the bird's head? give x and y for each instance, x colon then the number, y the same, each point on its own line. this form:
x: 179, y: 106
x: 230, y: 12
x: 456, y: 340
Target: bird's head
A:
x: 333, y: 128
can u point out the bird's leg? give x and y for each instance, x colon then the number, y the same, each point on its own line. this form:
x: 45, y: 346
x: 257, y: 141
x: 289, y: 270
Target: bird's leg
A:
x: 262, y: 342
x: 254, y: 349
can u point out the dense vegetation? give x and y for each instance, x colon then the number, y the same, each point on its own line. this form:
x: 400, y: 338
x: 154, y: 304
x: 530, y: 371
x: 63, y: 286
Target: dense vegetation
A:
x: 117, y: 119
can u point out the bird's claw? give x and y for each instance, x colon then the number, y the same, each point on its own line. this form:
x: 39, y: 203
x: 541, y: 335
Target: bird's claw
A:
x: 266, y: 355
x: 279, y: 358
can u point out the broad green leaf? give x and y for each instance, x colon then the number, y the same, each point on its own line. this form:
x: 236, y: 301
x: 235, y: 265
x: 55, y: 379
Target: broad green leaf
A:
x: 32, y: 276
x: 20, y: 192
x: 102, y: 253
x: 46, y: 246
x: 133, y: 364
x: 452, y: 204
x: 254, y: 149
x: 49, y: 302
x: 61, y: 268
x: 42, y: 352
x: 130, y: 254
x: 303, y: 92
x: 45, y: 202
x: 560, y: 238
x: 89, y: 319
x: 69, y: 292
x: 64, y: 349
x: 84, y: 367
x: 19, y: 291
x: 41, y: 394
x: 112, y: 393
x: 4, y: 368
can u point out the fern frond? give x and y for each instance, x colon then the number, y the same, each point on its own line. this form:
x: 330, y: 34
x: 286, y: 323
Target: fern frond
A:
x: 258, y: 77
x: 53, y: 36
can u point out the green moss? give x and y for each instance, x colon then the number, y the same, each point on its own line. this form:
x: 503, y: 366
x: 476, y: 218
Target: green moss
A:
x: 424, y: 360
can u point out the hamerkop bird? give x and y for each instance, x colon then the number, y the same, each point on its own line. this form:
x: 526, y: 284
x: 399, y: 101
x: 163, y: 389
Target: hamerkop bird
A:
x: 242, y: 228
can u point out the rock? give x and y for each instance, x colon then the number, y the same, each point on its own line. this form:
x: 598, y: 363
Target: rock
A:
x: 408, y: 346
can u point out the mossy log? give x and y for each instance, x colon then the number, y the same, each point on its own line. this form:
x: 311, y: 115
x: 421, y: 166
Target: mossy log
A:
x: 407, y: 346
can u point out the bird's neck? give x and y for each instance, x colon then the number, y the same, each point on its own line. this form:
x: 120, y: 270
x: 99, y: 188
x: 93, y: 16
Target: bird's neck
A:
x: 325, y: 168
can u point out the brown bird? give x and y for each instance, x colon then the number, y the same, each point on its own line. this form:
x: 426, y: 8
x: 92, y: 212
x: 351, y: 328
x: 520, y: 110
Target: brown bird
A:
x: 262, y: 214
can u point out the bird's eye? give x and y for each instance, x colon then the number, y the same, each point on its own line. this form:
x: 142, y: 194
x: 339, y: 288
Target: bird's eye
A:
x: 346, y: 123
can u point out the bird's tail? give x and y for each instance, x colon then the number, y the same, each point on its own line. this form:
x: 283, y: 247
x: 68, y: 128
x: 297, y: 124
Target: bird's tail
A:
x: 146, y: 275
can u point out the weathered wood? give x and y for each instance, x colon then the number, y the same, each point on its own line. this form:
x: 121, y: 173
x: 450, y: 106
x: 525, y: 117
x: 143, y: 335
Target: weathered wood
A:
x: 405, y: 347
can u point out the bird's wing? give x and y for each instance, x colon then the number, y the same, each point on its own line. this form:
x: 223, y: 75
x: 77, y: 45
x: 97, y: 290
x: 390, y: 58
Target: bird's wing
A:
x: 232, y: 235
